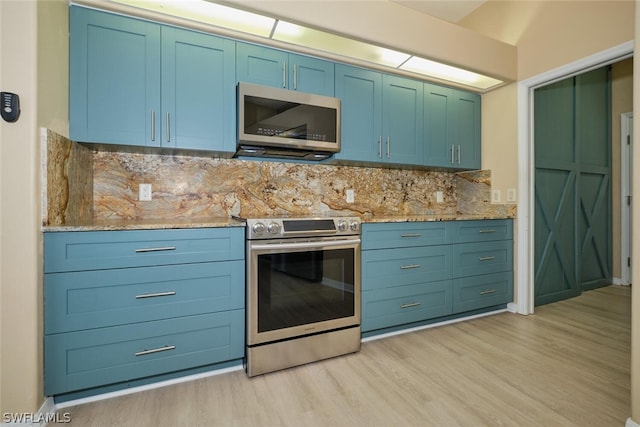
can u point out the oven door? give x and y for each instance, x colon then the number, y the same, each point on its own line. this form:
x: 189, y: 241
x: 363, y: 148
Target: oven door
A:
x: 301, y: 287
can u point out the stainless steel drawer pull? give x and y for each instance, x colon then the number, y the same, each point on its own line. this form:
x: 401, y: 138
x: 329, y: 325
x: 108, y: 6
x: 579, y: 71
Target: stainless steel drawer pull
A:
x: 160, y: 249
x: 486, y: 258
x: 411, y: 304
x: 156, y: 350
x: 153, y: 125
x: 488, y: 291
x: 157, y: 294
x: 411, y: 235
x: 487, y: 231
x: 410, y: 266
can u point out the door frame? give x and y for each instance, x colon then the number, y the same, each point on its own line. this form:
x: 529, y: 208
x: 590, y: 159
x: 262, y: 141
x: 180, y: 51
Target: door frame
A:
x: 626, y: 219
x: 526, y: 178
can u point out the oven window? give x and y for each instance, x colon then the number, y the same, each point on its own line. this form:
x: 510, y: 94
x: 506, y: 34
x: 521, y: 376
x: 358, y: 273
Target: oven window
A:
x: 298, y: 288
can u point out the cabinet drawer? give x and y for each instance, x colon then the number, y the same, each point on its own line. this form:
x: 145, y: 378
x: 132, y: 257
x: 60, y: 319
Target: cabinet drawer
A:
x: 482, y: 231
x: 78, y: 360
x: 471, y: 293
x: 481, y: 258
x: 95, y: 299
x: 97, y: 250
x: 405, y: 234
x: 405, y: 304
x: 392, y: 267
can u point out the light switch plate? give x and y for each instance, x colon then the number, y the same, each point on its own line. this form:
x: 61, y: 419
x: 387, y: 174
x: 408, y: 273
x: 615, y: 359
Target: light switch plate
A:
x: 439, y: 197
x: 496, y: 196
x: 511, y: 195
x: 145, y: 192
x: 351, y: 196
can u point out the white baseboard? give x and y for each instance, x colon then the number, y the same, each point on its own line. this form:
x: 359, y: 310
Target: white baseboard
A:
x: 618, y: 281
x: 433, y: 325
x: 147, y: 387
x: 512, y: 307
x: 631, y: 423
x: 45, y: 415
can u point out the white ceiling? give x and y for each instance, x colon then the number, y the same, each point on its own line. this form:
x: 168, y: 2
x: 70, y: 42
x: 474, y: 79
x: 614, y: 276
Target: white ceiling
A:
x: 448, y: 10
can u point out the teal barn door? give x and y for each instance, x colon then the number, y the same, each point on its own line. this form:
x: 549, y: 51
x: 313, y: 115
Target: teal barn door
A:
x: 572, y: 186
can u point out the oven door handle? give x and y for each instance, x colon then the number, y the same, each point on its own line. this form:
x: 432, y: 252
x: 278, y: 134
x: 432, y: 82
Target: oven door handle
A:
x: 305, y: 245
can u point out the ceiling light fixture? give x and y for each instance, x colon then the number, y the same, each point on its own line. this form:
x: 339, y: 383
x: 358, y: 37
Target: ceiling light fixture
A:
x: 229, y: 18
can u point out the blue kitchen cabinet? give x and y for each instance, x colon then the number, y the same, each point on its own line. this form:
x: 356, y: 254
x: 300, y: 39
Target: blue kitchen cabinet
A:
x: 360, y: 93
x: 483, y: 264
x: 451, y: 127
x: 414, y: 272
x: 406, y: 273
x: 122, y: 306
x: 133, y: 82
x: 381, y: 116
x: 276, y: 68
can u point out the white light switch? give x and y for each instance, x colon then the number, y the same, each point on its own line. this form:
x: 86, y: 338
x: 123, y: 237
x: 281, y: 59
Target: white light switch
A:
x: 351, y: 196
x: 439, y: 197
x: 511, y: 195
x: 145, y: 192
x: 496, y: 196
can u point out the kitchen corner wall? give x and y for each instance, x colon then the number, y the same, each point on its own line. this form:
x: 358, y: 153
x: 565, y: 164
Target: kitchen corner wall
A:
x: 197, y: 187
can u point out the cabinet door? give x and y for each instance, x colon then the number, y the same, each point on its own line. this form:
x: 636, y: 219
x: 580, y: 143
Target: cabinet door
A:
x: 311, y: 75
x: 438, y: 126
x: 261, y: 65
x: 114, y: 79
x: 198, y: 75
x: 402, y: 119
x: 360, y: 93
x: 466, y: 134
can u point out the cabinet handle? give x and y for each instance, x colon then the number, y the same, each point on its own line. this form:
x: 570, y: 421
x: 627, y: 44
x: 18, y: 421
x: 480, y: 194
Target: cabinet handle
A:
x: 295, y: 77
x: 159, y: 249
x: 409, y: 266
x: 156, y: 294
x: 452, y: 153
x: 153, y: 125
x: 488, y: 291
x: 168, y: 127
x: 459, y: 151
x: 388, y: 147
x: 411, y: 235
x: 486, y: 258
x: 156, y: 350
x: 487, y: 231
x: 284, y: 74
x: 411, y: 304
x: 380, y: 146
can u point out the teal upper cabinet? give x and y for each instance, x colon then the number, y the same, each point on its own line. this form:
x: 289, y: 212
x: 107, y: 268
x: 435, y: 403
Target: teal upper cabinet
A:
x: 451, y: 127
x: 277, y: 68
x: 381, y: 116
x: 134, y: 82
x: 360, y: 93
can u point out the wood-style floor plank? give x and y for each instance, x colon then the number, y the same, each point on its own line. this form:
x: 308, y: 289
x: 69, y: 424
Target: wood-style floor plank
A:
x: 566, y: 365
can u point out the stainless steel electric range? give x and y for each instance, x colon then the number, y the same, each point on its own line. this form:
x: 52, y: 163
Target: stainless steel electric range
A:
x: 303, y: 291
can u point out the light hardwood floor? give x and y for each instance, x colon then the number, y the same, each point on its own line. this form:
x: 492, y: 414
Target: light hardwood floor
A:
x: 567, y: 365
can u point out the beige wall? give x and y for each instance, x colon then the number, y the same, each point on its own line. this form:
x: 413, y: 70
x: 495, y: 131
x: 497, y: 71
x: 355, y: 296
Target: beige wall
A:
x: 34, y: 66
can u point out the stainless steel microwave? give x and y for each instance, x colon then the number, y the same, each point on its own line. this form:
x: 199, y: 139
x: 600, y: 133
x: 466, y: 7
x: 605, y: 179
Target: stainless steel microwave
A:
x: 283, y: 123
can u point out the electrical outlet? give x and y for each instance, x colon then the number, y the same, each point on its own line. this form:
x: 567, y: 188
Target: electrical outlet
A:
x: 439, y: 197
x: 351, y: 196
x: 511, y: 195
x: 145, y: 192
x: 496, y: 196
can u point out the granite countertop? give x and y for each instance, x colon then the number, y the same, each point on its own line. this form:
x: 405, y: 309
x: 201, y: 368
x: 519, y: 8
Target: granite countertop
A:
x: 221, y: 222
x: 427, y: 217
x: 147, y: 224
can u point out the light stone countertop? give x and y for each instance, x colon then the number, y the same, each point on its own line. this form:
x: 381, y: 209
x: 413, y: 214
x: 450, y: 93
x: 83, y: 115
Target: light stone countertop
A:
x: 147, y: 224
x: 221, y: 222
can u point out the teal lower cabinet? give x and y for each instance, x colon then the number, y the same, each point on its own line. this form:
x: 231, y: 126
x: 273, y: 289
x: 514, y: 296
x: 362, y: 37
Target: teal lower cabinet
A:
x: 487, y: 290
x: 415, y: 273
x: 399, y: 305
x: 126, y: 318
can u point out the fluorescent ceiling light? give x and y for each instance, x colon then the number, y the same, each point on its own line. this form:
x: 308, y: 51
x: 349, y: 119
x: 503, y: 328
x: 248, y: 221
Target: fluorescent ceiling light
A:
x: 209, y: 13
x: 230, y: 18
x: 320, y: 40
x: 447, y: 72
